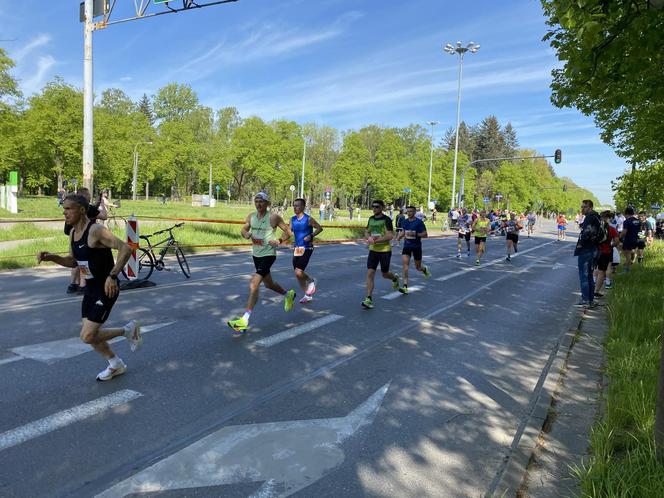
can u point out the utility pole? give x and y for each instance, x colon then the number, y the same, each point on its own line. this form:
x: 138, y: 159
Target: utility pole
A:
x: 88, y: 150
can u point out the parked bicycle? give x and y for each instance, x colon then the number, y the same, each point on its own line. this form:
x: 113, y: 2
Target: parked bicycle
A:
x: 148, y: 261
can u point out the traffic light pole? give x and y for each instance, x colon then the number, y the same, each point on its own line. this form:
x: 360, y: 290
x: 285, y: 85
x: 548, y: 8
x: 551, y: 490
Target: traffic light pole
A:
x: 477, y: 161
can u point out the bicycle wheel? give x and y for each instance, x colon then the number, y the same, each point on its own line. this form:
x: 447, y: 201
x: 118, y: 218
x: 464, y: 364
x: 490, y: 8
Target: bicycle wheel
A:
x: 183, y: 262
x: 145, y: 264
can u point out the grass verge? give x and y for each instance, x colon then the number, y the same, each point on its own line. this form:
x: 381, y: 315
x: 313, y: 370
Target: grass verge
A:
x: 623, y: 462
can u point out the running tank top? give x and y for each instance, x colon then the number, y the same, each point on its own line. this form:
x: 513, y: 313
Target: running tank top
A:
x: 481, y: 228
x: 261, y: 233
x: 301, y: 228
x: 94, y: 264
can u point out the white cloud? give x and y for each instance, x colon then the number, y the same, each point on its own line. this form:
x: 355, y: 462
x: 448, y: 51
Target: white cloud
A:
x: 39, y: 41
x: 38, y: 79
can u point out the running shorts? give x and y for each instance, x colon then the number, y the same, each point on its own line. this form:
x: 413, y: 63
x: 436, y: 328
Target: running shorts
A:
x: 301, y: 262
x: 603, y: 261
x: 480, y: 240
x: 629, y: 245
x: 514, y: 237
x: 263, y: 264
x: 415, y: 252
x: 641, y: 244
x: 376, y: 257
x: 465, y: 236
x: 561, y: 227
x: 96, y: 305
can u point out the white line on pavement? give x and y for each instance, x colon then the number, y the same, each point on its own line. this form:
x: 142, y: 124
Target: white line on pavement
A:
x: 299, y: 330
x: 64, y: 418
x: 10, y: 360
x: 396, y: 294
x: 53, y: 351
x: 490, y: 263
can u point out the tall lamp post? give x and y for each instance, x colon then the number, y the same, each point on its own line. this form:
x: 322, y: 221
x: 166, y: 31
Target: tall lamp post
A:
x: 472, y: 47
x: 134, y: 180
x: 432, y: 124
x: 304, y: 158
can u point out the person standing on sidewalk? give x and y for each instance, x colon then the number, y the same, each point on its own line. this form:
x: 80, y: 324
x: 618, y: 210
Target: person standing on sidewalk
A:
x: 586, y: 249
x: 260, y: 226
x: 304, y: 228
x: 90, y: 253
x: 379, y: 233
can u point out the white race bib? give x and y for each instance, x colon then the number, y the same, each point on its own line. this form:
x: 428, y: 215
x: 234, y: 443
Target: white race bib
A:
x: 257, y: 242
x: 298, y: 251
x: 411, y: 234
x: 84, y: 269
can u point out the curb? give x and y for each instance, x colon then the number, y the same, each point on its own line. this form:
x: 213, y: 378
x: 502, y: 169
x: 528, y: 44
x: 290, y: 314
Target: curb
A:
x: 516, y: 461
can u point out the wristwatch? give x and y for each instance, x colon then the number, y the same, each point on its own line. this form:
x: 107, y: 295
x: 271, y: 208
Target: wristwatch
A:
x: 113, y: 276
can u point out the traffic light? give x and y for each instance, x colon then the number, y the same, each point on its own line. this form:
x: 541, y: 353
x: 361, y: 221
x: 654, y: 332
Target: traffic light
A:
x: 557, y: 156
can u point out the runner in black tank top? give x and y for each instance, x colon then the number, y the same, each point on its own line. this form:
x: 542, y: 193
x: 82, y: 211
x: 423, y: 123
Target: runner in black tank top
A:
x: 90, y: 252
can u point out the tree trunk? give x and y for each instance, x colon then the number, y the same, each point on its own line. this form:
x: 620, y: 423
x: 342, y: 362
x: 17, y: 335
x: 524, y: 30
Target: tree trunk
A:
x: 147, y: 190
x: 659, y: 407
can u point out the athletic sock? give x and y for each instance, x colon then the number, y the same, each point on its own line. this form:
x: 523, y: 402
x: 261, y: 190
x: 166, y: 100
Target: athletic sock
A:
x: 246, y: 315
x: 115, y: 362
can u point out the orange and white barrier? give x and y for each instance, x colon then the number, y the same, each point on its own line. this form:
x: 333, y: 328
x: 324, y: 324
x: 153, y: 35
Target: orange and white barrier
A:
x: 132, y: 240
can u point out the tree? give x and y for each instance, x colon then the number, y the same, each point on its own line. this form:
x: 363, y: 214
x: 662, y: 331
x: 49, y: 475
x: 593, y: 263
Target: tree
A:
x: 9, y: 115
x: 489, y: 143
x: 145, y: 107
x: 612, y: 70
x: 353, y: 170
x: 174, y: 102
x: 466, y: 140
x: 116, y: 102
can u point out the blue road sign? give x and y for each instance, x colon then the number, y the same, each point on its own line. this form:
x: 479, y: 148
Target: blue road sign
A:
x: 655, y: 206
x: 217, y: 188
x: 406, y: 190
x: 486, y: 200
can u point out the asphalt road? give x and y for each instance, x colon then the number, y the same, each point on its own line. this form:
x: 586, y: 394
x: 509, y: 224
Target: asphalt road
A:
x: 422, y: 396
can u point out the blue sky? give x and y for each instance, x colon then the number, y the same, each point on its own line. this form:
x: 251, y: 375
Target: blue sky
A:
x: 341, y: 63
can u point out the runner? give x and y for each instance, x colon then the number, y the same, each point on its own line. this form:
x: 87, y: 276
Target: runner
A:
x: 90, y: 252
x: 605, y: 255
x: 512, y: 227
x: 481, y: 228
x: 532, y: 218
x: 259, y: 227
x: 76, y: 284
x: 561, y: 221
x: 630, y: 237
x: 464, y: 225
x: 643, y: 236
x: 399, y: 222
x: 379, y: 233
x: 304, y: 229
x: 413, y: 232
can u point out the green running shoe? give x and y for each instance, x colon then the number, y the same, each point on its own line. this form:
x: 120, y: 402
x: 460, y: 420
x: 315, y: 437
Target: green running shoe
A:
x: 404, y: 289
x: 427, y: 273
x: 367, y: 303
x: 239, y: 326
x: 395, y: 282
x: 288, y: 300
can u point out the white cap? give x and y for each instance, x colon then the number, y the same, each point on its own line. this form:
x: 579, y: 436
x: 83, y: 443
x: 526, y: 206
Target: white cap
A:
x: 263, y: 196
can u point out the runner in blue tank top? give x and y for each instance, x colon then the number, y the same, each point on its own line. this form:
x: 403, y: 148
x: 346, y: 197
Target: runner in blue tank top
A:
x: 304, y: 228
x: 414, y: 231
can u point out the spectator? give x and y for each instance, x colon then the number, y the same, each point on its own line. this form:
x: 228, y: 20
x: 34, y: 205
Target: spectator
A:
x: 585, y: 250
x: 358, y: 211
x: 433, y: 214
x: 322, y: 210
x: 350, y: 212
x: 61, y: 194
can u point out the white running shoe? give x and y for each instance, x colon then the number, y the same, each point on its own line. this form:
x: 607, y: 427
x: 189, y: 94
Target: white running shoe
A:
x: 311, y: 288
x: 306, y: 299
x: 108, y: 373
x: 133, y: 335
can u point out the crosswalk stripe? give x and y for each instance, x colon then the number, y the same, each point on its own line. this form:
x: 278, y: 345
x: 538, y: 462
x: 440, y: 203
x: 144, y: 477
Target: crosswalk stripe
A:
x: 396, y: 294
x: 53, y: 351
x: 299, y: 330
x: 64, y: 418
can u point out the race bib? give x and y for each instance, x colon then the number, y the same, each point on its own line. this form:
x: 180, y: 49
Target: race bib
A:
x: 462, y: 230
x: 84, y: 269
x: 257, y: 242
x: 411, y: 234
x: 298, y: 251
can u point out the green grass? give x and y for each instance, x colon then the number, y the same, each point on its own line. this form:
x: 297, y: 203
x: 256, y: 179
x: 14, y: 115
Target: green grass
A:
x: 21, y: 231
x: 623, y: 462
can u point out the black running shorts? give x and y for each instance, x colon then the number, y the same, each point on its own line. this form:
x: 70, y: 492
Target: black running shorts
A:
x: 96, y: 305
x: 480, y: 240
x: 514, y: 237
x: 301, y: 262
x: 415, y: 252
x: 263, y: 264
x: 376, y: 257
x: 603, y: 261
x: 464, y: 236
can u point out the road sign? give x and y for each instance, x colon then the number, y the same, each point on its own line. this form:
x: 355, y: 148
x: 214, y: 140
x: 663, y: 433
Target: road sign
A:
x: 499, y: 196
x: 406, y: 190
x: 486, y: 200
x: 292, y: 188
x: 99, y: 8
x: 655, y: 206
x: 217, y: 187
x: 327, y: 195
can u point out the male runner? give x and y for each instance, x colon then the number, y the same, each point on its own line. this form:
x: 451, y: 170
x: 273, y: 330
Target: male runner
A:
x: 304, y: 228
x: 481, y: 227
x: 464, y: 225
x: 379, y: 233
x: 532, y: 218
x: 259, y: 226
x: 90, y: 252
x: 512, y: 227
x: 561, y: 221
x: 630, y: 237
x: 78, y: 285
x: 413, y: 232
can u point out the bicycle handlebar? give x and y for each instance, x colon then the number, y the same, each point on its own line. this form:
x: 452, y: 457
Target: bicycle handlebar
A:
x: 164, y: 230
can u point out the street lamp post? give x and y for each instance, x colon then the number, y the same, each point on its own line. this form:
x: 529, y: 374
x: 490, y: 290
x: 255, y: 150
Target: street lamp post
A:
x: 472, y: 47
x: 432, y: 124
x: 134, y: 181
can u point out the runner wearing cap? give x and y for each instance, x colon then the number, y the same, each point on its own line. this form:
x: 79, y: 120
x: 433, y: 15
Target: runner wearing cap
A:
x: 260, y: 227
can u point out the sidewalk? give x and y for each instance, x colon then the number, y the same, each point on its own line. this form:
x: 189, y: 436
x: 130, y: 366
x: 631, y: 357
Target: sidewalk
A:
x: 575, y: 407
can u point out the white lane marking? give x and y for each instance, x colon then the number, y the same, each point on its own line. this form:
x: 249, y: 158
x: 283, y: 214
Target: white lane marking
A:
x: 54, y: 351
x: 396, y: 294
x: 299, y: 330
x: 10, y: 360
x: 490, y: 263
x: 287, y: 456
x: 64, y: 418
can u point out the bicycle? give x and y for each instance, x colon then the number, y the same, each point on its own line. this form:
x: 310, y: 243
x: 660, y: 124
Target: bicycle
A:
x: 148, y: 260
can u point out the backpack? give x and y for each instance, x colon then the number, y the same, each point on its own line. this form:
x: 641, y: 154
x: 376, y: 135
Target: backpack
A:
x: 602, y: 234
